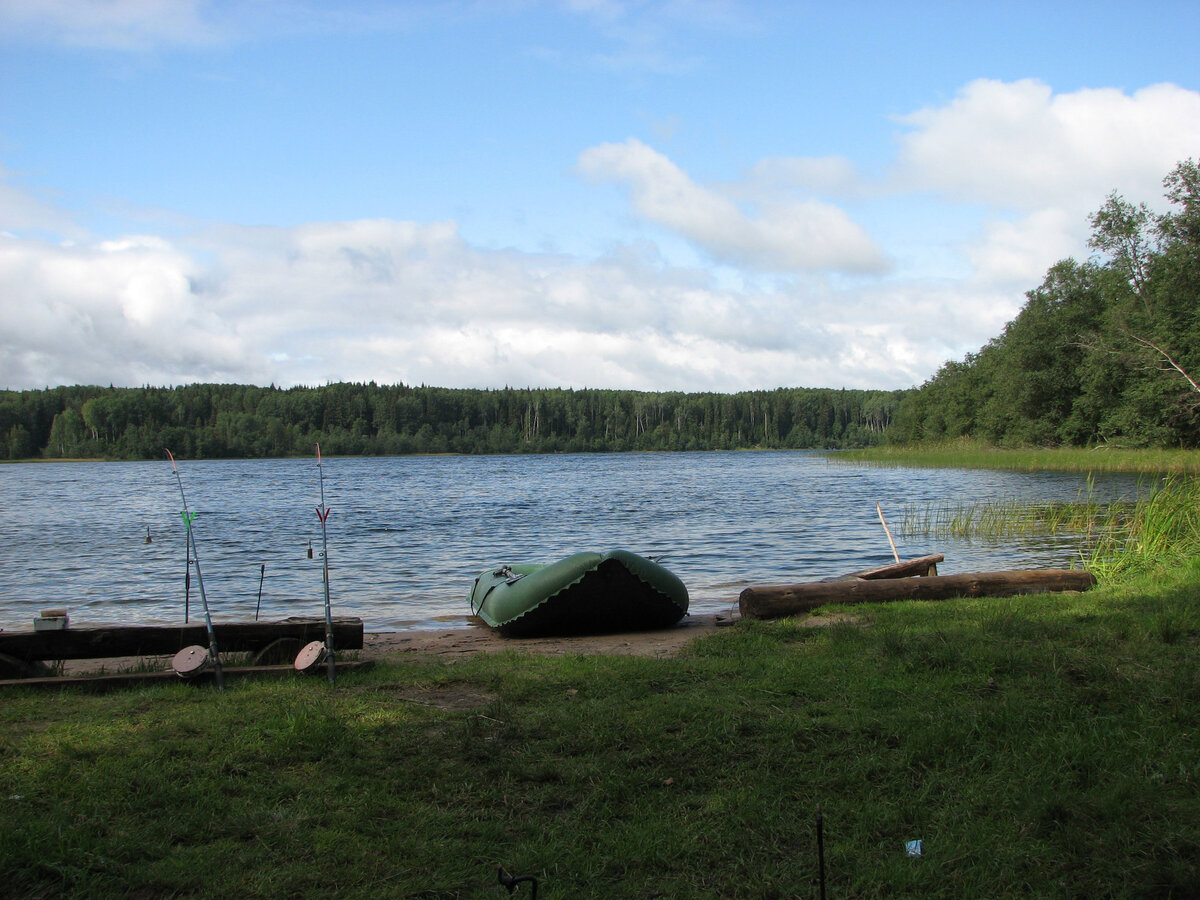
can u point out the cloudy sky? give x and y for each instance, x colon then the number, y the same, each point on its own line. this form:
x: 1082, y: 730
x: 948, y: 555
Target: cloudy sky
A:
x: 689, y: 195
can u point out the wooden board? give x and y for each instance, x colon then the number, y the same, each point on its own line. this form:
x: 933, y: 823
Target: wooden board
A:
x: 101, y: 683
x: 776, y: 601
x: 167, y: 640
x: 921, y: 566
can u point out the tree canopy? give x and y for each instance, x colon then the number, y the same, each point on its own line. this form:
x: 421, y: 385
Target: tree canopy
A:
x: 1103, y: 351
x: 229, y: 420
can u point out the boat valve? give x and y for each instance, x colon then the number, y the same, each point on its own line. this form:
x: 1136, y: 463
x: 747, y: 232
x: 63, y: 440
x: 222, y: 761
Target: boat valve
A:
x: 511, y: 882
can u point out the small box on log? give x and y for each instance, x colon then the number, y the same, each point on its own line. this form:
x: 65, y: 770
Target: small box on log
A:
x: 51, y: 620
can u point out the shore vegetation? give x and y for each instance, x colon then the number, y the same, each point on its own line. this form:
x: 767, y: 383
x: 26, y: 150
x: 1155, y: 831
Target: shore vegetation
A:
x: 966, y: 453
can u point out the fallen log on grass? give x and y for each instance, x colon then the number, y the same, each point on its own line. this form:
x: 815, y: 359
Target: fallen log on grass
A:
x: 166, y: 640
x: 777, y: 601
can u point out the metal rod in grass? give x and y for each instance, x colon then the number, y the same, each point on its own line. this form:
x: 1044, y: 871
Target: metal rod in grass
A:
x: 323, y: 515
x: 821, y: 851
x: 262, y: 574
x: 213, y: 654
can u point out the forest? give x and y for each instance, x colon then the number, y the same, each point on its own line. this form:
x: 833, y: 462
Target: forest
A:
x: 1104, y: 352
x: 228, y: 420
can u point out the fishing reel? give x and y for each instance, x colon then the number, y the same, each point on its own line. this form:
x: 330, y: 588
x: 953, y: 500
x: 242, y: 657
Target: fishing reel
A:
x: 511, y: 882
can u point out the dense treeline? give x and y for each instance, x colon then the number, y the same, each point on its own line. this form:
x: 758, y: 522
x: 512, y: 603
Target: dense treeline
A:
x: 224, y: 420
x: 1104, y: 351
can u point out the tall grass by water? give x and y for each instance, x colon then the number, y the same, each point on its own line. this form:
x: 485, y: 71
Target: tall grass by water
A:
x: 1008, y: 518
x: 1162, y: 529
x: 1116, y: 537
x: 972, y: 455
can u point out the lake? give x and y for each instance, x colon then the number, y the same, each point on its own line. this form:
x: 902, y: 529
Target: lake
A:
x: 407, y: 535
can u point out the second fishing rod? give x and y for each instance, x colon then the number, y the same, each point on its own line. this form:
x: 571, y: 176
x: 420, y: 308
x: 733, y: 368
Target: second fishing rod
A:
x: 188, y: 516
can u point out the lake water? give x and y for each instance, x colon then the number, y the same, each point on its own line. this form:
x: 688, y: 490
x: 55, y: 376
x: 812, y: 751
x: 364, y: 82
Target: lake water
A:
x: 407, y: 535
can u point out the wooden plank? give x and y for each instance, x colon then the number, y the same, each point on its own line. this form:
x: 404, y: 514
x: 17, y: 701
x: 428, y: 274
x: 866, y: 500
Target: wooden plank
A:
x: 102, y: 683
x: 921, y: 566
x: 167, y: 640
x: 776, y: 601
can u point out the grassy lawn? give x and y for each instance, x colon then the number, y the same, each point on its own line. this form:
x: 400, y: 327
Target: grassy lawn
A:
x: 1038, y: 746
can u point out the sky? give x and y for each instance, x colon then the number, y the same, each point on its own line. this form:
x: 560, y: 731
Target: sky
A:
x: 686, y: 195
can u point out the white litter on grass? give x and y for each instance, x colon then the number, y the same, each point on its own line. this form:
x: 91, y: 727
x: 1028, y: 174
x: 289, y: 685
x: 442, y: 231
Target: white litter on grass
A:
x: 912, y: 848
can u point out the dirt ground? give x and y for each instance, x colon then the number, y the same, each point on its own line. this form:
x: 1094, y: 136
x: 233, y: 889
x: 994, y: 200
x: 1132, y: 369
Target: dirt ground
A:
x: 450, y: 644
x: 455, y: 642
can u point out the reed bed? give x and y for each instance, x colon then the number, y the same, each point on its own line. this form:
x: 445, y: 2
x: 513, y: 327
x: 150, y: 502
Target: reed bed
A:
x: 1011, y: 517
x: 1117, y: 537
x: 972, y: 455
x: 1162, y: 529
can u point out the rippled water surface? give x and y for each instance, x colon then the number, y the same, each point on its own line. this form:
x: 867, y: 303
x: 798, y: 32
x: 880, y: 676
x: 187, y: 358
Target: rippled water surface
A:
x: 408, y: 534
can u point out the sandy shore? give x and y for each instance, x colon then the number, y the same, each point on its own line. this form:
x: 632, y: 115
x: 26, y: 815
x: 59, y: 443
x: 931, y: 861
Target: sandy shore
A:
x: 452, y: 644
x: 456, y: 642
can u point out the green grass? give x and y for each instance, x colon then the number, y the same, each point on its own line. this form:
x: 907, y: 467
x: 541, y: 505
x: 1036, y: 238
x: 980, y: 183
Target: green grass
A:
x: 972, y: 455
x: 1040, y: 746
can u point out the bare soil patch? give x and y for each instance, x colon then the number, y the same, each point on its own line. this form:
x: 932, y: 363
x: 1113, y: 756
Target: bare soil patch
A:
x: 450, y: 644
x: 453, y: 643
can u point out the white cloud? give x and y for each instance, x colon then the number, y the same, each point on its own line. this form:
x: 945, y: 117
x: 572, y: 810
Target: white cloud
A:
x: 1018, y: 144
x: 398, y: 301
x: 392, y: 300
x: 1018, y: 253
x: 120, y: 311
x: 112, y: 24
x: 1052, y: 158
x: 784, y: 235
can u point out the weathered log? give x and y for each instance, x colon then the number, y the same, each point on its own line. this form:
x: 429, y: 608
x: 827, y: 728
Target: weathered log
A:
x: 921, y: 566
x: 167, y: 640
x: 776, y: 601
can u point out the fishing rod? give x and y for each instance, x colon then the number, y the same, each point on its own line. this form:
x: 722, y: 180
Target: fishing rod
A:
x: 323, y: 515
x: 262, y: 574
x: 821, y: 850
x: 213, y: 654
x: 187, y: 569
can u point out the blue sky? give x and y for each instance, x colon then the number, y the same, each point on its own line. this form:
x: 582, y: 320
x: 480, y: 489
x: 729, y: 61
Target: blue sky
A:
x: 654, y: 195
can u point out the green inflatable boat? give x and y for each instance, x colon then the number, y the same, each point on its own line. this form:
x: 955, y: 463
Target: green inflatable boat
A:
x: 588, y: 593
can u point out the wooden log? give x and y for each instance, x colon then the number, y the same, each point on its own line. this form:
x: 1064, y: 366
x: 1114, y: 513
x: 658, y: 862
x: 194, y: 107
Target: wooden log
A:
x: 167, y: 640
x: 921, y: 566
x: 776, y: 601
